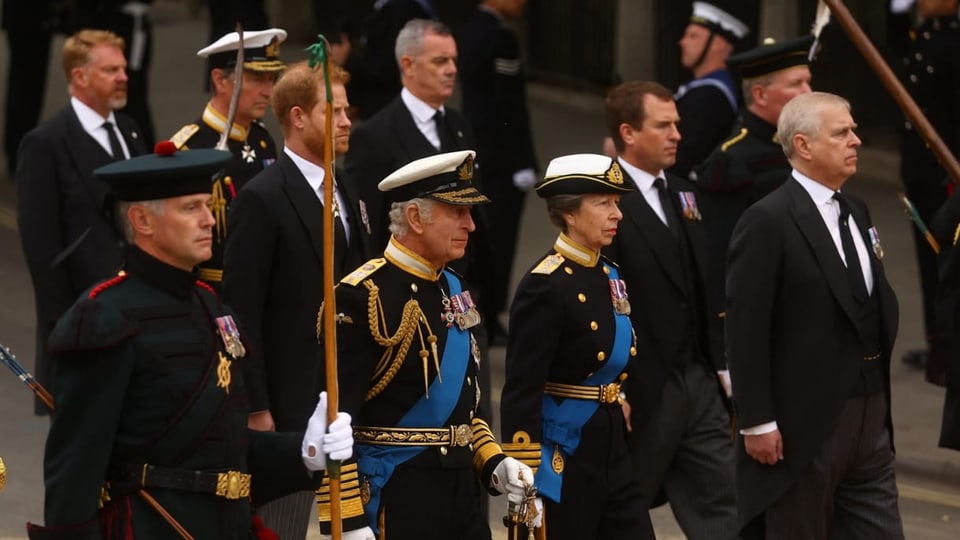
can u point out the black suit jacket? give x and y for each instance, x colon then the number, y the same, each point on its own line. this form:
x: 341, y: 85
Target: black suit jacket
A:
x: 793, y: 335
x: 384, y: 143
x: 61, y: 215
x: 671, y: 320
x: 272, y: 278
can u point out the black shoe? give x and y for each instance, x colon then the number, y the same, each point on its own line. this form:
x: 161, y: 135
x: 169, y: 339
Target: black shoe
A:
x: 916, y: 358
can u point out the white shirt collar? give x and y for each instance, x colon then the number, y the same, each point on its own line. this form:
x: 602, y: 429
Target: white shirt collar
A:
x: 89, y: 118
x: 311, y: 171
x: 417, y: 107
x: 820, y: 193
x: 641, y: 178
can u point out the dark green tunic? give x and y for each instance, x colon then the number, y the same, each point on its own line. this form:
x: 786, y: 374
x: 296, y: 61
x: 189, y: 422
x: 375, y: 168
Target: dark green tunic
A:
x: 741, y: 171
x: 138, y: 382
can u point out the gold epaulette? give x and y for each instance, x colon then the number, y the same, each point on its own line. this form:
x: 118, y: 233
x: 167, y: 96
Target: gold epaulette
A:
x: 351, y: 494
x: 523, y: 450
x: 737, y: 138
x: 548, y: 264
x: 364, y: 271
x: 3, y: 475
x: 181, y: 137
x: 484, y: 444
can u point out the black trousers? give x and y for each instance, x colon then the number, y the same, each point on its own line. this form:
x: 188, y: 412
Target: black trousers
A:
x: 849, y: 490
x: 600, y: 498
x: 685, y: 449
x: 433, y: 504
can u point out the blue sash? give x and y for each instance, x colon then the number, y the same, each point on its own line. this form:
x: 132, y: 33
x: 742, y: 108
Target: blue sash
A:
x: 377, y: 463
x: 562, y: 422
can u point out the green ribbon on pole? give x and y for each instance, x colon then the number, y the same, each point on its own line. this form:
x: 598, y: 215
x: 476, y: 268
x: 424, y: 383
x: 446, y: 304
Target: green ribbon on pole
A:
x: 318, y: 56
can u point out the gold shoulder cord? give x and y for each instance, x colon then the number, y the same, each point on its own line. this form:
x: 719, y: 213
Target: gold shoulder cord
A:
x: 412, y: 322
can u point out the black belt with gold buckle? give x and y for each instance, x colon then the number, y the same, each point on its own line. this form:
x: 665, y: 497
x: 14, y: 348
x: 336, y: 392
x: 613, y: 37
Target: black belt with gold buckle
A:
x: 227, y: 484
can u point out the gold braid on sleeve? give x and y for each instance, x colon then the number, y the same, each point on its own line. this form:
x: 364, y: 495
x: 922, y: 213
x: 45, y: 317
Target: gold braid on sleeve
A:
x: 523, y: 450
x: 484, y: 444
x: 412, y: 322
x: 351, y: 494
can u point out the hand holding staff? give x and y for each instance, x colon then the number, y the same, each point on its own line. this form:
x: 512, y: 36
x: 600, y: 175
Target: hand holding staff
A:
x: 320, y: 59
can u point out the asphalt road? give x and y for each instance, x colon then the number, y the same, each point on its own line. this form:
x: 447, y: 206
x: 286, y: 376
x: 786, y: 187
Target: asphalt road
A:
x: 928, y: 477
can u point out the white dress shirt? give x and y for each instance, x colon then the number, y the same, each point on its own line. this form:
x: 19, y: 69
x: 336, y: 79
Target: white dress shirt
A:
x: 423, y: 116
x: 644, y: 182
x: 92, y: 123
x: 315, y: 176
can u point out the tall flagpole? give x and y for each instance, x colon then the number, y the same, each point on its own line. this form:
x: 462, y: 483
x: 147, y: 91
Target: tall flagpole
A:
x: 320, y: 59
x: 895, y: 88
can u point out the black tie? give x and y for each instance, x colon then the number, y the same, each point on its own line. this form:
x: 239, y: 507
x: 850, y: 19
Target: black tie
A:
x: 443, y: 132
x: 673, y: 223
x: 115, y: 149
x: 340, y: 243
x: 854, y: 271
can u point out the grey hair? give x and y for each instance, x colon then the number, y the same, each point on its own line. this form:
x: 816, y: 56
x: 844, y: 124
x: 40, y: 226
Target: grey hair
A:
x: 801, y: 116
x: 156, y: 206
x: 398, y: 218
x: 559, y: 205
x: 746, y: 88
x: 410, y: 39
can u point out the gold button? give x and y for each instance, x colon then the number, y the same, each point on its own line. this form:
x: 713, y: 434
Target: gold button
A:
x: 594, y: 325
x: 633, y: 351
x: 568, y: 270
x: 413, y: 287
x: 606, y: 270
x: 471, y: 415
x: 582, y: 298
x: 443, y: 450
x: 469, y: 382
x: 601, y: 356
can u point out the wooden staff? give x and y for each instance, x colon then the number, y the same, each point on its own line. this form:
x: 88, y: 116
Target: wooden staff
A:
x: 320, y: 58
x: 895, y: 88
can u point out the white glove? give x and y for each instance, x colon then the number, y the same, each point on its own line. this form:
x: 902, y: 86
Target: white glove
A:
x: 538, y: 521
x: 317, y: 442
x: 524, y: 179
x: 357, y: 534
x: 900, y: 6
x: 513, y: 478
x: 724, y: 376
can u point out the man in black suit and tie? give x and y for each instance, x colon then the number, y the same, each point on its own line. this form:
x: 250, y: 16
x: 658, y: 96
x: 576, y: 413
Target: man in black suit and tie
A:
x: 273, y: 266
x: 810, y: 323
x: 67, y: 239
x: 417, y: 124
x: 680, y: 429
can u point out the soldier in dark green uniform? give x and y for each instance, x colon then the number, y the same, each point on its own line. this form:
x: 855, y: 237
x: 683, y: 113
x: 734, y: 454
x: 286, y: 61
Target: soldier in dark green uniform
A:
x: 750, y: 163
x: 570, y: 342
x: 250, y: 143
x: 409, y: 371
x: 149, y: 433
